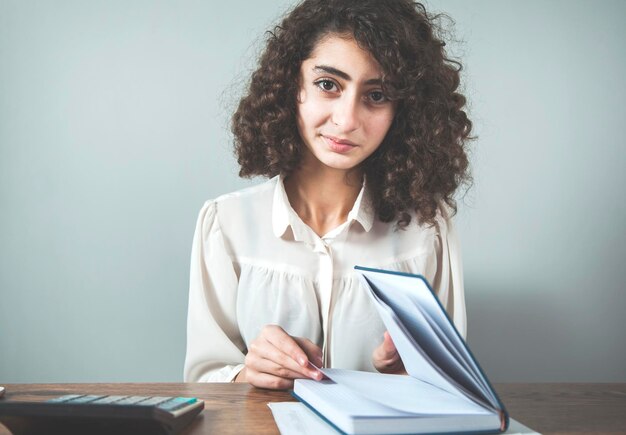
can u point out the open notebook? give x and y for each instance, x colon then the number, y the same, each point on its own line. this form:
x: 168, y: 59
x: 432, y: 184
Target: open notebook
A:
x: 445, y: 390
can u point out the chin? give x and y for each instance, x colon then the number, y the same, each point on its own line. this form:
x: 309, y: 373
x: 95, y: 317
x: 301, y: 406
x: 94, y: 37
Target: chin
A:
x: 325, y: 159
x: 341, y: 165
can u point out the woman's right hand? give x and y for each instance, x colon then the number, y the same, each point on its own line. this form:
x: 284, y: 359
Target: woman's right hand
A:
x: 386, y: 358
x: 275, y: 359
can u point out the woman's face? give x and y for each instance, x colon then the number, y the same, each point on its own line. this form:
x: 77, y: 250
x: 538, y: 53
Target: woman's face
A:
x: 342, y: 114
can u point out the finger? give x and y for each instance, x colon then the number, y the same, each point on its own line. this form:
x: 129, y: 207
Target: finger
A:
x: 264, y: 380
x: 286, y: 344
x: 390, y: 365
x: 388, y: 345
x: 386, y: 350
x: 386, y: 362
x: 312, y: 350
x: 264, y: 349
x: 262, y: 365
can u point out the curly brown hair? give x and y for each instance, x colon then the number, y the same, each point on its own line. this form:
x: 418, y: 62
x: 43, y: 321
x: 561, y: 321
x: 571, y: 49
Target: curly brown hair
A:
x: 422, y: 160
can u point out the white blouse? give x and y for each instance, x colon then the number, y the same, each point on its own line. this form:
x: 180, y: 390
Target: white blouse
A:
x: 254, y: 262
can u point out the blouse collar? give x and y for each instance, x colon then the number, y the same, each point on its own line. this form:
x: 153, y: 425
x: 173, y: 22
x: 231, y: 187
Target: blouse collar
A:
x: 284, y: 216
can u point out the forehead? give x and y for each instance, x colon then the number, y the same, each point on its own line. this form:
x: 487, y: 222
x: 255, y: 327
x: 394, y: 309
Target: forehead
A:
x: 343, y: 53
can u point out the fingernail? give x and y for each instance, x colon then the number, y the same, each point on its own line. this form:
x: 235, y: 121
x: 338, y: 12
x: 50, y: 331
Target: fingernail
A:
x: 302, y: 360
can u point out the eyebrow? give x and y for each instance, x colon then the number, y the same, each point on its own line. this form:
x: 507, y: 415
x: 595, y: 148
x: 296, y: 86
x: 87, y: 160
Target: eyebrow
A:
x: 343, y: 75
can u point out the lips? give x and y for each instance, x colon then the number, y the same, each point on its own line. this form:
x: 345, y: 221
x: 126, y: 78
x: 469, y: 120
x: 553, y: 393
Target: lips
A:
x: 339, y: 145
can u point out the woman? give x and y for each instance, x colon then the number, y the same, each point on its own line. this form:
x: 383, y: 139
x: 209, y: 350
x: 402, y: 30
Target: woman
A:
x: 353, y: 114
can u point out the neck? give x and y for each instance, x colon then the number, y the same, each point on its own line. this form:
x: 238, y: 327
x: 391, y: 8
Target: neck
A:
x: 323, y: 197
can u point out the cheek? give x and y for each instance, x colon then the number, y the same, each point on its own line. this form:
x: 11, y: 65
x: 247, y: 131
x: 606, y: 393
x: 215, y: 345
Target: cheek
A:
x: 309, y: 113
x: 379, y: 125
x: 303, y: 116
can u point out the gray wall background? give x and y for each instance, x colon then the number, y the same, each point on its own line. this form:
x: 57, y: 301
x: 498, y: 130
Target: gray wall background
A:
x: 113, y: 131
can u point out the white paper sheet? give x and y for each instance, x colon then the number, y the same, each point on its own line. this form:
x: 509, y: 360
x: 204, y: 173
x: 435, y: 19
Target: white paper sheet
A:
x: 294, y: 418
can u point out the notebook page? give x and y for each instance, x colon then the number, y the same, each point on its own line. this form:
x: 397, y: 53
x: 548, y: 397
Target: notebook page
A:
x: 404, y: 393
x: 418, y: 291
x: 462, y: 355
x: 415, y: 361
x: 338, y: 396
x: 411, y: 315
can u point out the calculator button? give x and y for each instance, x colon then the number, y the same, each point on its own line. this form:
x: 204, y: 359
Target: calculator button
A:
x: 153, y: 401
x: 177, y: 402
x: 84, y: 399
x: 65, y: 398
x: 131, y: 400
x: 108, y: 400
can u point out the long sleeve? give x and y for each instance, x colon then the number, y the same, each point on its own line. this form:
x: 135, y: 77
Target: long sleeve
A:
x: 214, y: 344
x: 449, y: 282
x: 250, y: 267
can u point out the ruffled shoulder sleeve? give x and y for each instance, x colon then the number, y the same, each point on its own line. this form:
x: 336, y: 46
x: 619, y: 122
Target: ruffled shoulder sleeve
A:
x: 215, y: 349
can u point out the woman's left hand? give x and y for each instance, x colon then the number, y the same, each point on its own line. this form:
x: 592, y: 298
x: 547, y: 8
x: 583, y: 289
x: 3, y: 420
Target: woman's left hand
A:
x: 386, y: 358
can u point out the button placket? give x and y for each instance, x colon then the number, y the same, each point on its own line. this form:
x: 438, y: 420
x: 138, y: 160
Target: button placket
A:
x: 326, y: 289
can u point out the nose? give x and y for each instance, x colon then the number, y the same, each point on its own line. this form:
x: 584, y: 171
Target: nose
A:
x: 345, y: 114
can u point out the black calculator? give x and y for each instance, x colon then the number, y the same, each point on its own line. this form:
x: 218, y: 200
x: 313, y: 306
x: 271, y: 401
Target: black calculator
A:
x: 94, y: 414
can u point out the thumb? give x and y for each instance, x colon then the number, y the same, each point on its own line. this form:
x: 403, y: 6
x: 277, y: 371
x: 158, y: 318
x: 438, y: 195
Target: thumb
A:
x: 388, y: 346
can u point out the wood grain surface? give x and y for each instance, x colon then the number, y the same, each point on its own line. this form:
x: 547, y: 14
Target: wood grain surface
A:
x: 242, y: 409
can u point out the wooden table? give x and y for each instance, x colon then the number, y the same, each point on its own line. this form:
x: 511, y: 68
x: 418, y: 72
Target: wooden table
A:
x: 241, y: 409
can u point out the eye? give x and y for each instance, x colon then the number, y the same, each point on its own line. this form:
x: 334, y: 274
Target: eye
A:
x: 377, y: 97
x: 326, y: 85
